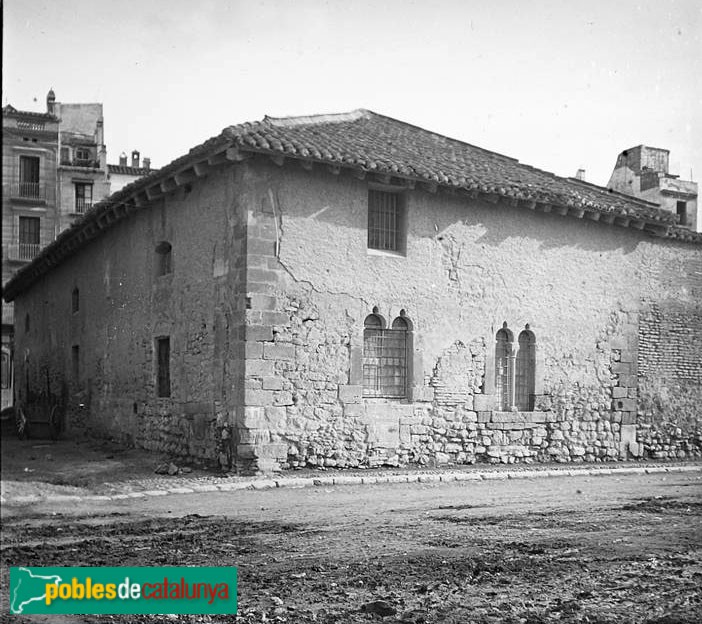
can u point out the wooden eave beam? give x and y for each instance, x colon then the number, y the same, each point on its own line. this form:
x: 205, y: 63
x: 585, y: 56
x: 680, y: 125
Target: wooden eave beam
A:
x: 577, y: 212
x: 335, y: 169
x: 168, y: 185
x: 622, y: 221
x: 278, y: 159
x: 593, y: 215
x: 493, y: 198
x: 383, y: 178
x: 638, y: 224
x: 561, y: 210
x: 307, y: 165
x: 183, y: 177
x: 233, y: 154
x: 430, y: 187
x: 545, y: 207
x: 201, y: 168
x: 608, y: 218
x: 152, y: 192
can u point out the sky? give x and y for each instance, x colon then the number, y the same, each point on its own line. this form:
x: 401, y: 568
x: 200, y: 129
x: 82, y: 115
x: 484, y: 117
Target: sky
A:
x: 559, y: 84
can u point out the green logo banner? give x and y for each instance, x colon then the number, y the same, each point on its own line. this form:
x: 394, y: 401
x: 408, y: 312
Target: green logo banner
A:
x: 155, y: 590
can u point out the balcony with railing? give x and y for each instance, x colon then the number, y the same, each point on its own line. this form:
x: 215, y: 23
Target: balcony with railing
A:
x: 80, y: 162
x: 23, y: 252
x: 82, y: 205
x: 28, y: 190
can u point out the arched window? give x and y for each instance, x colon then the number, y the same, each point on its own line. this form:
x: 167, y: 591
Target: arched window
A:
x: 525, y: 370
x: 164, y: 255
x: 503, y: 367
x: 385, y: 357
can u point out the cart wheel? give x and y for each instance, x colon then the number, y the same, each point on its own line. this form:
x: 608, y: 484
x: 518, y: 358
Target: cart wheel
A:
x: 21, y: 424
x: 54, y: 423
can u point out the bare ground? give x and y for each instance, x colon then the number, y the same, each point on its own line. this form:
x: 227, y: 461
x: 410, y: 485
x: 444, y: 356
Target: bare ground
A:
x: 600, y: 549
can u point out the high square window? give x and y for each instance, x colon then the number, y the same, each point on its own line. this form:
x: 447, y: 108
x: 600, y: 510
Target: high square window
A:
x: 386, y: 221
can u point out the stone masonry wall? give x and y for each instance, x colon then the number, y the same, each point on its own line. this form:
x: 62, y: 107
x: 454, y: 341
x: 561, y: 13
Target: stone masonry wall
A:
x: 265, y: 306
x: 125, y: 306
x: 469, y: 267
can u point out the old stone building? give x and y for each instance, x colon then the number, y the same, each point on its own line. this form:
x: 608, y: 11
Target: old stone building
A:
x: 346, y: 290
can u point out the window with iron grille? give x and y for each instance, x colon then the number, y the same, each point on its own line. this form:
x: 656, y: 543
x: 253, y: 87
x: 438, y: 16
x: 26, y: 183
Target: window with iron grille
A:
x: 525, y: 371
x: 503, y: 368
x: 385, y: 221
x: 163, y: 367
x: 385, y: 358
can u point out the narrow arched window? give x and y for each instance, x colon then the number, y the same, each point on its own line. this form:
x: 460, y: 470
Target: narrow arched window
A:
x: 503, y: 369
x: 525, y: 371
x: 385, y: 358
x: 164, y: 258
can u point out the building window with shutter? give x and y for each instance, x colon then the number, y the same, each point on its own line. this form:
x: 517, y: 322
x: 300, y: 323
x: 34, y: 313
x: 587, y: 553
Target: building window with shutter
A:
x: 29, y: 176
x: 163, y: 367
x: 84, y: 197
x: 29, y: 237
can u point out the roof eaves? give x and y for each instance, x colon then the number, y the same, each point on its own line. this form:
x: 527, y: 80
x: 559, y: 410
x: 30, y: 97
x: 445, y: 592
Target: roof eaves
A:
x: 108, y: 211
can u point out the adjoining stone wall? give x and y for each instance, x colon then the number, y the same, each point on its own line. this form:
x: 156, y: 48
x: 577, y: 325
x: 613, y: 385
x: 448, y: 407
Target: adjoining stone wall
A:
x: 125, y: 306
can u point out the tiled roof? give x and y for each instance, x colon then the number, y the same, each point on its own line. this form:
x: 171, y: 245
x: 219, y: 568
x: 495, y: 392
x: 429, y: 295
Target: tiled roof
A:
x: 371, y: 144
x: 127, y: 170
x: 375, y: 143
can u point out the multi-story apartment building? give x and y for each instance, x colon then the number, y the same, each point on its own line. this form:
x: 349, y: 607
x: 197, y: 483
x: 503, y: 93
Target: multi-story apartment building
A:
x: 29, y: 193
x: 54, y: 169
x: 82, y: 168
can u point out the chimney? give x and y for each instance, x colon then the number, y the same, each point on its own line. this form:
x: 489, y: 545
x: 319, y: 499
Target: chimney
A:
x: 147, y: 163
x: 135, y: 158
x: 123, y: 159
x: 50, y: 101
x: 580, y: 175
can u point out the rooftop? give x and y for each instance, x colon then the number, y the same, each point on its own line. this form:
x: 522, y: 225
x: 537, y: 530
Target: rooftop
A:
x: 373, y: 145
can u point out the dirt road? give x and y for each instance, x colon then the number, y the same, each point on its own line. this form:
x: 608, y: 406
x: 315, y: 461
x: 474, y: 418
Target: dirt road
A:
x: 597, y: 549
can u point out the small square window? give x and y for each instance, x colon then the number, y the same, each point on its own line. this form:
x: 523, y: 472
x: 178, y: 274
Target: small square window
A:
x: 386, y: 221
